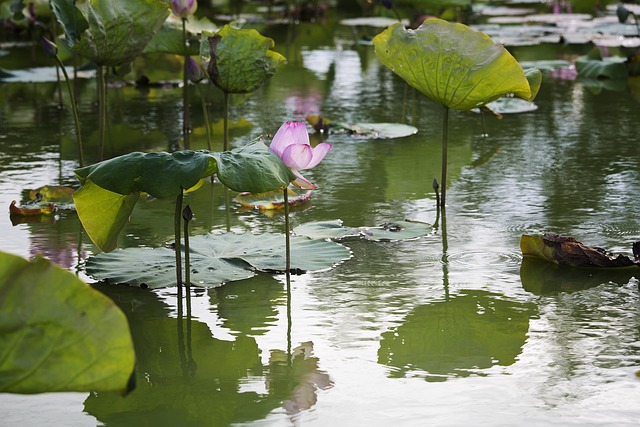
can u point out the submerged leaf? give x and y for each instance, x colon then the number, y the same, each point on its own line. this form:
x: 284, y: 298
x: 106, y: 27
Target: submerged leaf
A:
x: 57, y: 333
x: 452, y: 64
x: 568, y: 251
x: 216, y: 259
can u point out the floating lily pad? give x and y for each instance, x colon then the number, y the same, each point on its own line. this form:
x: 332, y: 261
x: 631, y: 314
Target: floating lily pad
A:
x: 510, y: 106
x: 41, y: 75
x: 381, y: 130
x: 371, y: 21
x: 363, y: 130
x: 399, y: 230
x: 272, y: 199
x: 216, y: 259
x: 546, y: 65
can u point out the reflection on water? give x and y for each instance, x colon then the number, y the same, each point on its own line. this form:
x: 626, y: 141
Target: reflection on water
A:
x: 459, y: 314
x: 185, y: 376
x: 458, y: 337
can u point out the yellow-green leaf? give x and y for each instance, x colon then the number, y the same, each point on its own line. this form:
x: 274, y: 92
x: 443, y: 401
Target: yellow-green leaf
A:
x: 57, y: 333
x: 452, y: 64
x: 103, y: 213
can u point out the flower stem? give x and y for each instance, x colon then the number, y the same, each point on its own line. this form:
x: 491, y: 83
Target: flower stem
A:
x: 185, y: 89
x: 445, y: 138
x: 74, y: 108
x: 286, y: 231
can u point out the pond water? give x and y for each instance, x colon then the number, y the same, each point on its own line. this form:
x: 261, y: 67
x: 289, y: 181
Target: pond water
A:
x: 449, y: 329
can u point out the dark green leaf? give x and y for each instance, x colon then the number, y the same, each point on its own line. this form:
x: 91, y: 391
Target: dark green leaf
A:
x: 216, y: 259
x: 239, y: 61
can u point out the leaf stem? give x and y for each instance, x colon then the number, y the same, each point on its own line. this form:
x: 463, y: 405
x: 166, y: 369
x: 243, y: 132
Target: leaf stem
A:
x: 185, y: 89
x: 74, y: 108
x: 178, y: 248
x: 102, y: 110
x: 445, y: 138
x: 207, y: 125
x: 226, y: 122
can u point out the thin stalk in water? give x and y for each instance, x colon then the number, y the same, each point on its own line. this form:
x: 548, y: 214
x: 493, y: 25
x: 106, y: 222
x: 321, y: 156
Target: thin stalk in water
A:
x: 187, y: 215
x: 102, y: 109
x: 286, y: 231
x: 445, y: 138
x: 226, y: 122
x: 178, y: 247
x: 207, y: 125
x: 185, y: 89
x: 51, y: 50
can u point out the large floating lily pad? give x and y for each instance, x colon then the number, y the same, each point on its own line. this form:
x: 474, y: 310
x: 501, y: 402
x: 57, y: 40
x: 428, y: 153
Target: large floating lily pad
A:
x: 57, y: 333
x: 363, y: 130
x: 398, y: 230
x: 216, y: 259
x: 566, y: 250
x: 510, y: 106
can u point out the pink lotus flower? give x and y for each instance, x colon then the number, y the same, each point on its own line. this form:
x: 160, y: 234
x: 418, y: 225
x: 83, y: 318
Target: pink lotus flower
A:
x: 184, y: 8
x: 291, y: 144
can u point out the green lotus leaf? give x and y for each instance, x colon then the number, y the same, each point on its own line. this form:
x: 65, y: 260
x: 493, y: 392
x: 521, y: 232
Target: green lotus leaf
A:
x: 452, y: 64
x: 103, y: 213
x: 593, y: 66
x: 160, y: 174
x: 169, y: 39
x: 398, y: 230
x: 57, y: 333
x: 110, y: 32
x: 216, y: 259
x: 239, y: 61
x: 253, y: 168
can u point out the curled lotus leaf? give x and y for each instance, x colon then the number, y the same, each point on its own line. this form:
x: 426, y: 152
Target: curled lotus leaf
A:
x: 566, y: 250
x: 239, y: 60
x: 452, y: 64
x: 161, y: 174
x: 110, y: 32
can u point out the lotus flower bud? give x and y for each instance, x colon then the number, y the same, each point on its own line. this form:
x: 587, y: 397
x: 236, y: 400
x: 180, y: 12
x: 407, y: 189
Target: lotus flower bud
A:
x: 184, y: 8
x: 195, y: 73
x: 49, y: 47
